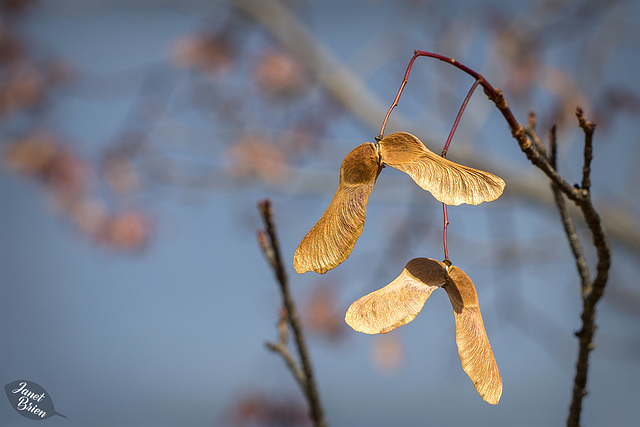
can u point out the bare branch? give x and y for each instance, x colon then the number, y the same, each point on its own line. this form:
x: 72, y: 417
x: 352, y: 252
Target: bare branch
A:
x: 567, y: 222
x: 592, y: 293
x: 588, y: 128
x: 291, y: 362
x: 275, y: 259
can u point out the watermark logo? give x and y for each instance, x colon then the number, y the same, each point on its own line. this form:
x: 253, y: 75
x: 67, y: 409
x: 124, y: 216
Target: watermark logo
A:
x: 30, y: 400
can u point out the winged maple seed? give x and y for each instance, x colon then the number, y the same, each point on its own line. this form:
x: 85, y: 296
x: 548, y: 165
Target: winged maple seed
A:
x: 473, y: 345
x: 399, y: 302
x: 449, y: 182
x: 332, y: 239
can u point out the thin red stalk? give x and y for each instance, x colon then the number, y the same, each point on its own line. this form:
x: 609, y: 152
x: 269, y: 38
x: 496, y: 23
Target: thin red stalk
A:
x: 395, y: 101
x: 488, y: 89
x: 444, y: 231
x: 459, y: 116
x: 479, y: 80
x: 444, y: 155
x: 495, y: 95
x: 456, y: 64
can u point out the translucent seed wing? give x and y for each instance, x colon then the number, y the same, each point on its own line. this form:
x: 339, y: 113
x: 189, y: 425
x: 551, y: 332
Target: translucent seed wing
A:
x: 473, y: 345
x: 448, y: 182
x: 332, y: 239
x: 400, y: 301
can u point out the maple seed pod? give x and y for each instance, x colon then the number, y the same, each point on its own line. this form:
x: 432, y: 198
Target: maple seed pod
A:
x: 449, y: 182
x: 332, y: 239
x: 473, y: 345
x: 400, y: 301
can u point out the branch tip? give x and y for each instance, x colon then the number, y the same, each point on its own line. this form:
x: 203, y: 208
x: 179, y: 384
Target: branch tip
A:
x: 532, y: 120
x: 553, y: 147
x: 586, y: 125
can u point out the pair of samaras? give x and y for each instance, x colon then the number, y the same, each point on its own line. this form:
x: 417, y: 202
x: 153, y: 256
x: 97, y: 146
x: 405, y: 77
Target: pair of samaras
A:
x: 332, y: 239
x: 399, y: 303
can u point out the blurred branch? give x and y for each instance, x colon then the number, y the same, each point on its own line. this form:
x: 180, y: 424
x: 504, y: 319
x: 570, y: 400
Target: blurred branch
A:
x: 343, y: 85
x: 281, y: 348
x: 268, y: 241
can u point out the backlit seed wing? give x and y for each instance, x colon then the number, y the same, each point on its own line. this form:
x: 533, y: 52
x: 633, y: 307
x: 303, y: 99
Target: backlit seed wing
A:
x: 332, y: 239
x: 400, y: 301
x: 447, y: 181
x: 473, y: 345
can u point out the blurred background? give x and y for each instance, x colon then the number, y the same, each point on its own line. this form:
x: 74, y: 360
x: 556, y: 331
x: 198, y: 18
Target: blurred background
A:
x: 137, y: 138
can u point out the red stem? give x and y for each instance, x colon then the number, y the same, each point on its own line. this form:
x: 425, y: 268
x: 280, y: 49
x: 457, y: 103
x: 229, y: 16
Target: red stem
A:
x: 395, y: 101
x: 444, y: 155
x: 458, y: 117
x: 488, y: 89
x: 495, y: 95
x: 444, y: 231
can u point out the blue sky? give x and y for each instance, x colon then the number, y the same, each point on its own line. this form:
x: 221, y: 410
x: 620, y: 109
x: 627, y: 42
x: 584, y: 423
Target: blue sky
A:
x: 174, y: 335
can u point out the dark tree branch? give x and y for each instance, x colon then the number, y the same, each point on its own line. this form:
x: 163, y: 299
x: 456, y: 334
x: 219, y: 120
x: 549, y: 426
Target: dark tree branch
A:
x: 588, y: 128
x: 567, y: 221
x: 590, y: 296
x: 291, y: 362
x: 281, y: 346
x: 553, y: 146
x: 269, y: 243
x: 591, y: 292
x: 581, y: 196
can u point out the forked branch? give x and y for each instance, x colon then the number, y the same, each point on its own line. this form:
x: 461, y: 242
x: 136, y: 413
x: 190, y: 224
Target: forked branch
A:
x: 268, y: 241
